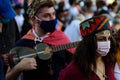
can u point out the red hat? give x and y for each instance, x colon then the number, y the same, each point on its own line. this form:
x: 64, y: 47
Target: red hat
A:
x: 94, y: 25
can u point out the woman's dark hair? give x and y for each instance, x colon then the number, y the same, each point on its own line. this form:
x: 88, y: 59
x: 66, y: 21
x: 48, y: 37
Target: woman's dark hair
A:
x: 85, y: 56
x: 116, y: 36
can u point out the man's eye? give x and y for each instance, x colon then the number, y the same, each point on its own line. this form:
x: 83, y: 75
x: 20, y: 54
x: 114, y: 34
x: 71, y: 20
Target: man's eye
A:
x: 46, y: 16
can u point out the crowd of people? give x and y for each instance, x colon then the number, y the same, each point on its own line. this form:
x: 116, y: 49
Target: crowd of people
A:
x: 75, y: 40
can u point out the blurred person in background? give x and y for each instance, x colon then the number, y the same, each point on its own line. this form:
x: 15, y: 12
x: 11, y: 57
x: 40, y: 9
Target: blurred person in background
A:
x: 61, y: 14
x: 27, y: 25
x: 113, y: 8
x: 116, y: 23
x: 89, y: 9
x: 7, y: 34
x: 19, y: 18
x: 72, y: 30
x: 73, y: 11
x: 101, y: 7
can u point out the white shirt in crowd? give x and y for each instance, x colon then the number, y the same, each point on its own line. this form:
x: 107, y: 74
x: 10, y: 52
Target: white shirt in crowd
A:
x: 73, y: 31
x: 19, y: 20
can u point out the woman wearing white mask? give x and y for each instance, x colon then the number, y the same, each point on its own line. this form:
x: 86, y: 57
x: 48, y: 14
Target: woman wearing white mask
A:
x: 94, y: 57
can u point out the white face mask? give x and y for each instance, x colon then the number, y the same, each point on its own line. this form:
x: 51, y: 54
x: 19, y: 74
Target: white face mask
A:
x: 103, y: 47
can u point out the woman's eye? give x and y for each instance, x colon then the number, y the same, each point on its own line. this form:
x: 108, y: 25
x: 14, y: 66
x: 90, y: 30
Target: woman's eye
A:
x: 100, y: 39
x: 103, y: 38
x: 46, y: 16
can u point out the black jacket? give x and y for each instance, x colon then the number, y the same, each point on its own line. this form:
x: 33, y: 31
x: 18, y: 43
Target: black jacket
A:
x: 8, y: 36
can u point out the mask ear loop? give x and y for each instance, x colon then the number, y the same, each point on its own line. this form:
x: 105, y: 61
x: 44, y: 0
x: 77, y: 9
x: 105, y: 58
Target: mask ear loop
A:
x: 36, y: 40
x: 37, y: 18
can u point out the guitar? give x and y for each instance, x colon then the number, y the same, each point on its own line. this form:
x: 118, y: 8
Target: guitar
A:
x: 43, y: 51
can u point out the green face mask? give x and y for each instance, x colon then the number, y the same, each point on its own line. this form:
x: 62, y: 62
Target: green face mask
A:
x: 4, y: 21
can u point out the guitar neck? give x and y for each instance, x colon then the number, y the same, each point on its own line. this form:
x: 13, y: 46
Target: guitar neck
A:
x: 64, y: 46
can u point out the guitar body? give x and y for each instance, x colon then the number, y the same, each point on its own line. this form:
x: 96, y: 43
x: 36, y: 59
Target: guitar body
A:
x: 44, y: 52
x: 18, y: 53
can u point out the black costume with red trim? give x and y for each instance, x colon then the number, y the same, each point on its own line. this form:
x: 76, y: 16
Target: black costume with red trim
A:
x: 57, y: 62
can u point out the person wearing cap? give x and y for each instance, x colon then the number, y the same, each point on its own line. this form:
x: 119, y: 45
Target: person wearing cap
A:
x: 44, y: 31
x: 94, y: 57
x: 7, y: 35
x: 19, y: 18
